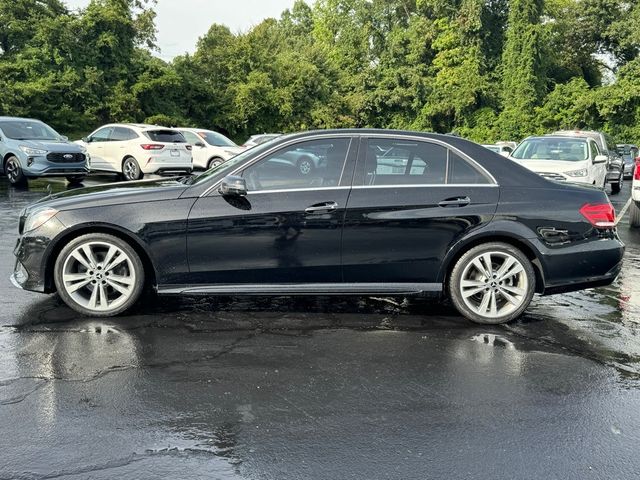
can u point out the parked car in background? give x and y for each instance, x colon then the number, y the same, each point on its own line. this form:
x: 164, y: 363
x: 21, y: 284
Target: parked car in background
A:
x: 634, y: 208
x: 133, y: 150
x: 484, y: 237
x: 30, y: 148
x: 504, y: 150
x: 210, y: 148
x: 629, y: 154
x: 615, y: 167
x: 558, y: 157
x: 254, y: 140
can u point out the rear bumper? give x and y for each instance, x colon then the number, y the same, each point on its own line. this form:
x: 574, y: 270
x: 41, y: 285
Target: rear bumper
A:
x: 164, y: 166
x: 590, y: 264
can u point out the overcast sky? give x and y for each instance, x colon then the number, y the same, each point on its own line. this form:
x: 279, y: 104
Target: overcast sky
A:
x: 181, y: 22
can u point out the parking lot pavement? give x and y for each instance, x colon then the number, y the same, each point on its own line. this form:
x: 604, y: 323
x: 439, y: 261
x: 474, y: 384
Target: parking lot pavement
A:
x: 274, y: 388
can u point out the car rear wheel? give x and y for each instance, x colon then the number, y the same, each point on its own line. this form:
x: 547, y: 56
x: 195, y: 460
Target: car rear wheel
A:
x: 14, y: 173
x: 75, y: 179
x: 492, y: 283
x: 634, y: 215
x: 214, y: 162
x: 99, y: 275
x: 131, y: 169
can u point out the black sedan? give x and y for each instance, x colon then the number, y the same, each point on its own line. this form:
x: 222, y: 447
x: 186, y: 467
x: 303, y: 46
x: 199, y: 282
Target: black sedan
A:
x: 447, y: 217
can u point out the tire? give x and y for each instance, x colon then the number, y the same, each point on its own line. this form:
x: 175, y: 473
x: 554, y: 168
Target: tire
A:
x: 305, y: 166
x: 88, y: 285
x: 13, y: 171
x: 617, y: 186
x: 131, y: 169
x: 482, y: 292
x: 214, y: 162
x: 634, y: 215
x: 76, y: 179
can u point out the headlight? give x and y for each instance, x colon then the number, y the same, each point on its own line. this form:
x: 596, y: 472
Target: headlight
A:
x: 32, y: 151
x: 38, y: 218
x: 578, y: 173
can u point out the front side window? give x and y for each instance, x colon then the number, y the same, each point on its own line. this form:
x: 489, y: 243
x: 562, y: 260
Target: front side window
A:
x: 102, y: 135
x: 191, y: 138
x: 595, y: 151
x: 216, y: 139
x: 390, y: 162
x: 311, y: 164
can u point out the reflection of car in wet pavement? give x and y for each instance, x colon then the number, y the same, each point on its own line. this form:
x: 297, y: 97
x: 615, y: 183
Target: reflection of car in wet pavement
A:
x: 448, y: 217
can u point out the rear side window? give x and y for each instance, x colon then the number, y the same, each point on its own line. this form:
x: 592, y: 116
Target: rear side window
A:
x: 406, y: 162
x: 120, y: 134
x: 168, y: 136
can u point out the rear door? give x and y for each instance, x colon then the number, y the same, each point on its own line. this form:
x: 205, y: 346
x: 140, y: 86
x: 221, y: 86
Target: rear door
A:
x: 118, y: 147
x: 412, y: 199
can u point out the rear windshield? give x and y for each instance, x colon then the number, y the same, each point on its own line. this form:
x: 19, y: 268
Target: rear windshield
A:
x: 563, y: 149
x: 626, y: 149
x: 28, y: 130
x: 216, y: 139
x: 168, y: 136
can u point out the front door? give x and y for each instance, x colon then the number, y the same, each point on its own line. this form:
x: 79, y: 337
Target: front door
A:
x: 96, y: 147
x: 411, y: 201
x: 287, y: 229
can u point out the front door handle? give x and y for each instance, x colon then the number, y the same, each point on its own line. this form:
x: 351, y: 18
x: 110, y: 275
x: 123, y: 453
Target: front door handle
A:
x: 321, y: 207
x: 455, y: 202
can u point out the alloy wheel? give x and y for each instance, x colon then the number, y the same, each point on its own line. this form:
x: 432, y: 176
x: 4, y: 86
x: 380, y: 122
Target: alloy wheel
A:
x: 12, y: 170
x: 99, y: 276
x: 130, y: 170
x: 494, y: 284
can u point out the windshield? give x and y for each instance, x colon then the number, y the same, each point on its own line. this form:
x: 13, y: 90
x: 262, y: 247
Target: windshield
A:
x: 553, y: 148
x: 230, y: 164
x: 28, y: 130
x: 216, y: 139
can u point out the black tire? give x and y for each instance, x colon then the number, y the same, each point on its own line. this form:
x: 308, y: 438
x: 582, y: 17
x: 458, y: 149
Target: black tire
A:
x: 634, y: 215
x: 131, y: 169
x: 464, y: 264
x: 617, y: 186
x: 136, y: 263
x: 13, y: 171
x: 214, y: 162
x: 305, y: 166
x: 76, y: 179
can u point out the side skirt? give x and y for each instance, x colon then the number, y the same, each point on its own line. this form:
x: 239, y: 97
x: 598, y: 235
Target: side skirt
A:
x: 303, y: 289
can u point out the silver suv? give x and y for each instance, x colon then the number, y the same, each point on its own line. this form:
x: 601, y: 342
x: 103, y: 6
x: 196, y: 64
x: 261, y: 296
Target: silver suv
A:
x: 30, y: 148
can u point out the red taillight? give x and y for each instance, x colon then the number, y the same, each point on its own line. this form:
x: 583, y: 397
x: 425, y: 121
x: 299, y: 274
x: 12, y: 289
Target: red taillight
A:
x: 636, y: 172
x: 151, y: 146
x: 601, y: 215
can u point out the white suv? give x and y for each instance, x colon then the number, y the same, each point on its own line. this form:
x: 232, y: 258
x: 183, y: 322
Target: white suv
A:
x: 557, y: 157
x: 134, y: 150
x: 634, y: 210
x: 210, y: 148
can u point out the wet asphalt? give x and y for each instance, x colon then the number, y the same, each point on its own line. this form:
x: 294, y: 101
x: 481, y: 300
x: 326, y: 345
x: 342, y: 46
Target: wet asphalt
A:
x: 318, y: 387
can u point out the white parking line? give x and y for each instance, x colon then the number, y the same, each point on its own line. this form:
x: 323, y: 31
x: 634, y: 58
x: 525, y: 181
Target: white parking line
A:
x: 620, y: 216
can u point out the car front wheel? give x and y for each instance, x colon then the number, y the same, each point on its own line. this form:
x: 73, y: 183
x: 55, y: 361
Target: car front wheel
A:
x: 14, y: 172
x: 99, y: 275
x: 617, y: 186
x: 492, y: 283
x: 214, y: 162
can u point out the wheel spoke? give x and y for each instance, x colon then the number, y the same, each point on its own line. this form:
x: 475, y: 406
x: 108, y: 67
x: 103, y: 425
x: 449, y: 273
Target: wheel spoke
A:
x: 478, y: 264
x: 115, y: 261
x: 482, y: 309
x: 102, y: 300
x: 494, y: 304
x: 472, y: 291
x: 80, y: 258
x: 94, y: 298
x: 513, y: 290
x: 510, y: 298
x: 72, y: 288
x: 516, y: 269
x: 488, y: 264
x: 118, y: 287
x: 506, y: 265
x: 121, y: 279
x: 86, y: 249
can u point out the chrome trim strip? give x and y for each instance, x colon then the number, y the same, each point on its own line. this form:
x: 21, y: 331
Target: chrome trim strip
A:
x: 301, y: 289
x: 418, y: 185
x: 287, y: 190
x: 285, y: 144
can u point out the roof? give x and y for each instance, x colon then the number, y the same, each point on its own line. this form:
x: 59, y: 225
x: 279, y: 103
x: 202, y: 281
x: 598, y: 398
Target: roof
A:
x: 6, y: 119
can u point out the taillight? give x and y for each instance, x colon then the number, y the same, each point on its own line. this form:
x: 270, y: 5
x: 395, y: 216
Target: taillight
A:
x: 601, y: 215
x: 151, y: 146
x: 636, y: 172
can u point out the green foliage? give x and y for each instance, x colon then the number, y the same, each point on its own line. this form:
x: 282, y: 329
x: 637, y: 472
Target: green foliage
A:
x: 487, y: 69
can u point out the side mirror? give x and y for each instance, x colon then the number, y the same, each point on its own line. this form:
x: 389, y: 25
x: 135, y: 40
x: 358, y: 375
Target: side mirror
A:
x: 233, y: 185
x: 86, y: 139
x: 64, y: 138
x: 199, y: 144
x: 600, y: 159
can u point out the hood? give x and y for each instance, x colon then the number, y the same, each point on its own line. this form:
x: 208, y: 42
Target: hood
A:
x: 114, y: 194
x: 61, y: 146
x: 550, y: 166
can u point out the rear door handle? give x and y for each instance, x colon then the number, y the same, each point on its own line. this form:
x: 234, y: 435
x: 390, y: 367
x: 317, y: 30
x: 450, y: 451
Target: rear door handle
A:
x: 321, y: 207
x: 455, y: 202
